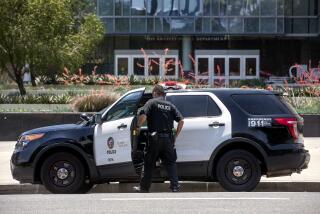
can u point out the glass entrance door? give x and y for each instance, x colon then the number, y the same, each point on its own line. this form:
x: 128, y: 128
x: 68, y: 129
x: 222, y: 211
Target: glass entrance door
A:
x: 219, y: 67
x: 122, y: 65
x: 204, y: 72
x: 220, y: 70
x: 154, y: 66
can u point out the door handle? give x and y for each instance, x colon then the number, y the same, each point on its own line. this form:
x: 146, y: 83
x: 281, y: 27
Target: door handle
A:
x: 122, y: 126
x: 216, y: 124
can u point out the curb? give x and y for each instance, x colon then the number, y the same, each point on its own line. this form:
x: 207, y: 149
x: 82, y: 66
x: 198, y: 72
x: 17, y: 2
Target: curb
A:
x: 163, y: 187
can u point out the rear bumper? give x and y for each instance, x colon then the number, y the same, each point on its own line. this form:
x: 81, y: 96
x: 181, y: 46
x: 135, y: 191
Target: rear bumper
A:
x: 288, y: 163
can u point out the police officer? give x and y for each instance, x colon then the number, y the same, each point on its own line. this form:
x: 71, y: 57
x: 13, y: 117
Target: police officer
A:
x: 160, y: 115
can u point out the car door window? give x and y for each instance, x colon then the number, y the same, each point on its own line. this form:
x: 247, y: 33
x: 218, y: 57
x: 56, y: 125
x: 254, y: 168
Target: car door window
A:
x: 126, y: 107
x: 195, y: 105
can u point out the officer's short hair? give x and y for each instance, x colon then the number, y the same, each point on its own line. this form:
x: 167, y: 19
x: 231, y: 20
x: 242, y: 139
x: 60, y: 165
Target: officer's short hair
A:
x: 158, y: 89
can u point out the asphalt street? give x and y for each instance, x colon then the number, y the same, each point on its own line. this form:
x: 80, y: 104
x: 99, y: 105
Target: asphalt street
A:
x: 172, y: 203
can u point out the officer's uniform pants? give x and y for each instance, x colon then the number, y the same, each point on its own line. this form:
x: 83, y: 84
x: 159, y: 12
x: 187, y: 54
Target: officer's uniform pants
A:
x: 161, y: 147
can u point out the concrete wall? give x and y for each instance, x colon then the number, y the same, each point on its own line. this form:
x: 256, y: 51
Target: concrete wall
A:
x: 13, y: 124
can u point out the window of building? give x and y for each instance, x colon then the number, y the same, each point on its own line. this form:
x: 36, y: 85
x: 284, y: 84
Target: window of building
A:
x: 251, y: 66
x: 118, y: 7
x: 236, y: 25
x: 251, y: 25
x: 206, y: 25
x: 280, y: 25
x: 206, y: 7
x: 138, y: 66
x: 280, y: 7
x: 268, y: 7
x: 154, y: 7
x: 126, y: 7
x: 182, y: 25
x: 195, y: 106
x: 190, y: 8
x: 170, y: 66
x: 171, y: 7
x: 154, y: 66
x: 108, y: 24
x: 234, y: 66
x: 219, y: 25
x: 150, y: 25
x: 138, y: 8
x: 105, y: 7
x: 219, y: 66
x: 235, y: 7
x: 123, y: 67
x: 300, y: 25
x: 203, y: 66
x: 166, y: 25
x: 138, y: 25
x: 314, y: 23
x: 158, y: 25
x: 251, y: 7
x: 268, y: 25
x: 223, y: 8
x: 122, y: 7
x: 300, y: 7
x: 215, y: 9
x: 198, y: 24
x: 122, y: 25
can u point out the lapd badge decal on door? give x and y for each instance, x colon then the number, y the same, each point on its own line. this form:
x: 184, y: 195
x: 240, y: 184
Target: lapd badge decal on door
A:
x: 110, y: 144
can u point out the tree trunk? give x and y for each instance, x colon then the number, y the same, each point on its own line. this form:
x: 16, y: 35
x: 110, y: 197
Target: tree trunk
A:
x: 19, y: 82
x: 33, y: 80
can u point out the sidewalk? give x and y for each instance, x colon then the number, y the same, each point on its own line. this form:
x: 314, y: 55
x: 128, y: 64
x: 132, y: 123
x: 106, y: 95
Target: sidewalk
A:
x: 309, y: 179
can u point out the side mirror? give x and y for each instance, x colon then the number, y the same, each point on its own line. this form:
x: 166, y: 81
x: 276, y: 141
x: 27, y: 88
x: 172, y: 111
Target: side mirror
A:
x: 84, y: 117
x: 98, y: 119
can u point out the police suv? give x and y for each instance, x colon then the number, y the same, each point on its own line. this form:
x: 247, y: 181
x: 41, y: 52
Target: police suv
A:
x: 233, y: 136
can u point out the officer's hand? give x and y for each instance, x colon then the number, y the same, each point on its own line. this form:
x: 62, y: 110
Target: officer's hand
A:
x: 138, y: 130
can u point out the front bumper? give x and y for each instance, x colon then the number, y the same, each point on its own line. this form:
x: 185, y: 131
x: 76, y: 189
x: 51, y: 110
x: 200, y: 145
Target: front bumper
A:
x: 21, y: 172
x: 288, y: 163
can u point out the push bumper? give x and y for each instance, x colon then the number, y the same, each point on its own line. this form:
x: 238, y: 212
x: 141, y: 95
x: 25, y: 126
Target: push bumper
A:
x: 288, y: 163
x: 21, y: 172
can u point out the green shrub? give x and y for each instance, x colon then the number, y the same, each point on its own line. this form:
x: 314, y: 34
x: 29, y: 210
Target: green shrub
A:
x: 248, y: 82
x: 93, y: 102
x: 305, y: 105
x: 36, y: 99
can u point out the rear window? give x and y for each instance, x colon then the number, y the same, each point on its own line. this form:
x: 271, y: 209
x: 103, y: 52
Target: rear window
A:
x: 195, y: 106
x: 261, y: 104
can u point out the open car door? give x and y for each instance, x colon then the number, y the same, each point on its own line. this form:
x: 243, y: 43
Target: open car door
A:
x: 112, y: 139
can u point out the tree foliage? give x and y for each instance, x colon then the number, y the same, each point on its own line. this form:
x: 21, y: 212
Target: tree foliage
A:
x: 45, y: 33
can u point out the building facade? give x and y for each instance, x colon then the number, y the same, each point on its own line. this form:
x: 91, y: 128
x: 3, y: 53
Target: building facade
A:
x: 208, y: 39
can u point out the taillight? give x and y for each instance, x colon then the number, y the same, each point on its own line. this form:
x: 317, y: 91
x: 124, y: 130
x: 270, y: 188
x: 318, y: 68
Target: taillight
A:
x: 291, y: 123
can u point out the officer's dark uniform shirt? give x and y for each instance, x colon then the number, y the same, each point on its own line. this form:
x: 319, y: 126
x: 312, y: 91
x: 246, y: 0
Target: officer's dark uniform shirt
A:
x: 160, y: 115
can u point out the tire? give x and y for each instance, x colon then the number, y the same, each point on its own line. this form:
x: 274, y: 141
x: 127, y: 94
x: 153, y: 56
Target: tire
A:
x: 86, y: 187
x: 238, y: 170
x: 63, y: 173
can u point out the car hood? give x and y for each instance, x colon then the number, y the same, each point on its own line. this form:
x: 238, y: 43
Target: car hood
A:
x: 46, y: 129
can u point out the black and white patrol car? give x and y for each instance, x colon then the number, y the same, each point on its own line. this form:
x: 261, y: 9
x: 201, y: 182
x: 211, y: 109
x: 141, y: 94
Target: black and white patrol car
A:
x: 232, y: 136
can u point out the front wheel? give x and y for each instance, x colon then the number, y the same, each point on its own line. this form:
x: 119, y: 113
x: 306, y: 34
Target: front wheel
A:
x: 238, y: 170
x: 63, y: 173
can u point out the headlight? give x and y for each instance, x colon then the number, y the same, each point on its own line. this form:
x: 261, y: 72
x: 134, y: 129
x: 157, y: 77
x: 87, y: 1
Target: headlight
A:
x: 25, y: 139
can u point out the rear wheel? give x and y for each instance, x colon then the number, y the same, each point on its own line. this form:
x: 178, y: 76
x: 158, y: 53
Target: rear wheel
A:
x: 63, y: 173
x: 238, y: 170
